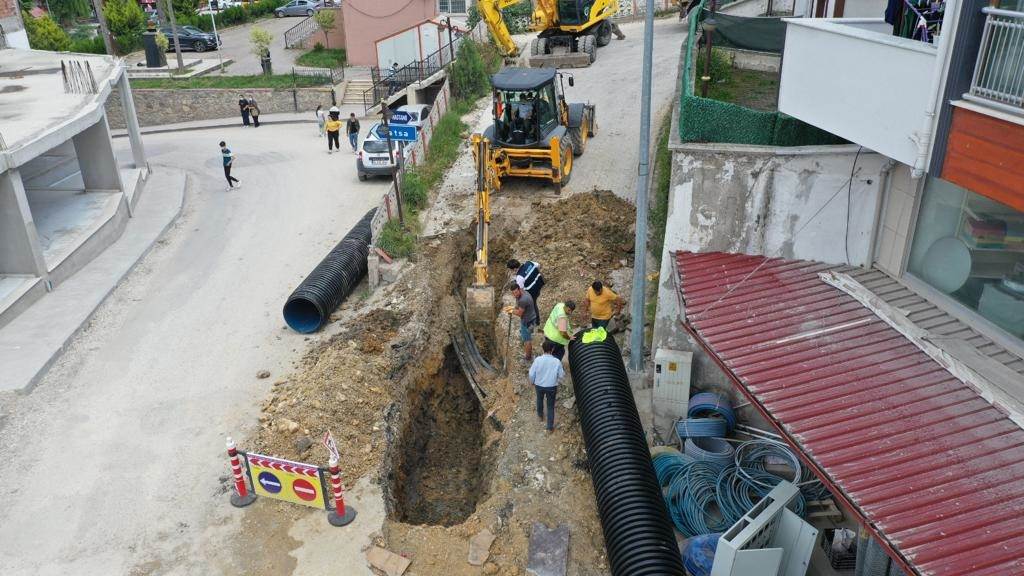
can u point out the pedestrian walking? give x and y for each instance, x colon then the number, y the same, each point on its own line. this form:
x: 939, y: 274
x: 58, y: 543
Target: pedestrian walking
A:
x: 352, y: 128
x: 228, y: 158
x: 557, y: 330
x: 333, y: 130
x: 603, y: 303
x: 529, y: 278
x: 243, y: 108
x: 321, y: 119
x: 527, y: 312
x: 546, y: 373
x: 254, y: 111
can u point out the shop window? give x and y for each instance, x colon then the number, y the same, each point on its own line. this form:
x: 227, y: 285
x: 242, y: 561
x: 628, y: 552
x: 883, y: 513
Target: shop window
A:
x: 972, y: 248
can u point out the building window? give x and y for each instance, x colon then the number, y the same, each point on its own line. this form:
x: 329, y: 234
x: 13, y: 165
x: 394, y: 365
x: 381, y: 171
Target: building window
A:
x: 972, y: 248
x: 451, y: 6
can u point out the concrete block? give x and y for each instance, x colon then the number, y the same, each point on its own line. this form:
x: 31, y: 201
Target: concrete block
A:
x: 549, y: 550
x: 480, y: 303
x: 480, y: 547
x: 373, y: 270
x: 389, y: 271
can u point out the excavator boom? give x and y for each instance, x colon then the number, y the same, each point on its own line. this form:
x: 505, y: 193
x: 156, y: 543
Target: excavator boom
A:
x: 490, y: 11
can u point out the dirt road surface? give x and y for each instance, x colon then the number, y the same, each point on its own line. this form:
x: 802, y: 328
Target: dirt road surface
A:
x: 113, y: 464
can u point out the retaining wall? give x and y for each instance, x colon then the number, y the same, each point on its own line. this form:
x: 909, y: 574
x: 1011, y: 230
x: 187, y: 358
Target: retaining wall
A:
x: 168, y: 106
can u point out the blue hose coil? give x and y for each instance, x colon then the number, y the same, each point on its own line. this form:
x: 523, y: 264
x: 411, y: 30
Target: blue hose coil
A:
x: 709, y: 450
x: 702, y: 428
x: 707, y: 404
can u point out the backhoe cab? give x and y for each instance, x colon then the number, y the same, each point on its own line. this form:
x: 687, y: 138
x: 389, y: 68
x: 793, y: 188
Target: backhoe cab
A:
x: 535, y: 133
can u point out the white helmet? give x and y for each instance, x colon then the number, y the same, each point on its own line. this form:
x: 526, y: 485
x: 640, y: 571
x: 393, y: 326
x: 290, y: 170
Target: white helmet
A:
x: 334, y: 109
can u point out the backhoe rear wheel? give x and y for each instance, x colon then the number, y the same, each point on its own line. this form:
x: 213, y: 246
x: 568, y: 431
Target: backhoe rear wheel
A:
x: 566, y: 169
x: 578, y: 136
x: 588, y: 45
x: 604, y: 33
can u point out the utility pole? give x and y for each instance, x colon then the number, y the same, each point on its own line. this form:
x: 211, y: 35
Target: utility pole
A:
x: 108, y: 43
x: 174, y: 32
x: 643, y: 176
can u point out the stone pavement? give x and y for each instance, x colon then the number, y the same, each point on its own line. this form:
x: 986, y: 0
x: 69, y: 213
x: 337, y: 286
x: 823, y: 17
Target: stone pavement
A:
x: 33, y: 340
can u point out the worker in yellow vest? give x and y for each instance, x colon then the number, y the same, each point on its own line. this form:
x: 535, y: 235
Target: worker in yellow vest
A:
x: 557, y: 329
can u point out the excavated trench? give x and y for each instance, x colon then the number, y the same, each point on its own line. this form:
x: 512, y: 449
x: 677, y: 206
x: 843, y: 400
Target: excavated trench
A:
x: 437, y: 472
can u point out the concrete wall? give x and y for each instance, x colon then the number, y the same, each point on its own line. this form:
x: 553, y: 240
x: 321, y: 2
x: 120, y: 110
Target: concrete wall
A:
x: 367, y: 21
x: 14, y: 35
x: 863, y: 85
x: 158, y: 106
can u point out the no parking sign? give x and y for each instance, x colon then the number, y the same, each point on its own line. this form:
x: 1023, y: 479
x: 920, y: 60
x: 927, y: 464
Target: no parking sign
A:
x: 286, y: 480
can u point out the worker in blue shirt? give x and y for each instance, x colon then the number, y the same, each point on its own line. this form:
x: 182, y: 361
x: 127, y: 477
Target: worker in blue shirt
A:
x: 545, y: 374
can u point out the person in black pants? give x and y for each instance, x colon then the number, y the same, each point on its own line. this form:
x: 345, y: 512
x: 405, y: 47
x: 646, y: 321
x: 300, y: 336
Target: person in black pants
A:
x: 243, y: 107
x: 333, y: 130
x: 229, y: 159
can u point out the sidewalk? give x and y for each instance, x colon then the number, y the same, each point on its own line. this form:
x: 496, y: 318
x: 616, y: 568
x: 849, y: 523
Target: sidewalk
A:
x: 270, y: 119
x: 30, y: 343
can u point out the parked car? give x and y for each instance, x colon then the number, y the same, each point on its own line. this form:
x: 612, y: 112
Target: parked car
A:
x: 298, y: 8
x: 372, y: 158
x: 417, y: 113
x: 191, y: 38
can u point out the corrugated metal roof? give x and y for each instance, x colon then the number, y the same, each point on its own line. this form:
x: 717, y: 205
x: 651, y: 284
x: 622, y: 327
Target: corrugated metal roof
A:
x: 935, y: 470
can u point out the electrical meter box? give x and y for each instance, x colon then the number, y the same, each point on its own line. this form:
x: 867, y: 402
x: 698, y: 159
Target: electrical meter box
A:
x: 672, y: 381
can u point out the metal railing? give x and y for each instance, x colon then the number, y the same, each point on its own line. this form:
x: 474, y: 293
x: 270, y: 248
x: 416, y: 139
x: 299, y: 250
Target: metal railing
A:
x: 323, y: 75
x: 389, y: 82
x: 296, y: 34
x: 999, y: 72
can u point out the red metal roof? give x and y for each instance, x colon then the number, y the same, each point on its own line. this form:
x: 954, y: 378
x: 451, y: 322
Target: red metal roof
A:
x: 932, y: 468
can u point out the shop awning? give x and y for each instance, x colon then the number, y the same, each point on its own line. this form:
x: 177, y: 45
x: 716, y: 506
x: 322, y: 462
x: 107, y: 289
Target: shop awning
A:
x: 929, y: 466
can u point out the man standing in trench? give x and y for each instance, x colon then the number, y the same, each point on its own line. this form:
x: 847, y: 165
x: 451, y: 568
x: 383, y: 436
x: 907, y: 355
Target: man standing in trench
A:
x: 527, y: 312
x: 557, y: 330
x: 529, y: 278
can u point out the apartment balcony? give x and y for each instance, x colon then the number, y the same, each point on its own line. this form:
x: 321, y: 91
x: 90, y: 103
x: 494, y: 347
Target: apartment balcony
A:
x: 853, y: 78
x: 999, y: 73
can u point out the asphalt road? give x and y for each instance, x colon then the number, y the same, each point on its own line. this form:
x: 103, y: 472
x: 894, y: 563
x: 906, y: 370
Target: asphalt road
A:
x: 112, y: 464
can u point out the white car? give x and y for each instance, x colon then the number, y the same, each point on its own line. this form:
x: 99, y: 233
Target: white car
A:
x: 417, y: 114
x: 373, y: 159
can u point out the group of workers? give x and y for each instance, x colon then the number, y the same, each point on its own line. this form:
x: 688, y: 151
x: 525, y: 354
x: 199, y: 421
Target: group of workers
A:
x: 546, y: 370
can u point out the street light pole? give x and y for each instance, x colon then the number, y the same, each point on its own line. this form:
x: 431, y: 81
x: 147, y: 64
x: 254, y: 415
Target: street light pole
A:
x: 636, y: 340
x: 217, y: 40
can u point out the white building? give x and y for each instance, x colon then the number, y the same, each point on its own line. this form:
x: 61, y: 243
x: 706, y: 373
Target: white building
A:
x: 63, y: 196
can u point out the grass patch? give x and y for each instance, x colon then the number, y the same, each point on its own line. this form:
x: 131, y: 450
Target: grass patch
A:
x: 230, y: 82
x: 397, y: 240
x: 750, y: 88
x: 662, y: 178
x: 322, y: 58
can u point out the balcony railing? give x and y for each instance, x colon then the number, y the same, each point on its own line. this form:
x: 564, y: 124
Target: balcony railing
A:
x: 999, y: 73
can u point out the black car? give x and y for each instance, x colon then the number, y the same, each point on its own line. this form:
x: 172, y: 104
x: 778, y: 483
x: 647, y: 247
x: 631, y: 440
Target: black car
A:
x: 191, y: 38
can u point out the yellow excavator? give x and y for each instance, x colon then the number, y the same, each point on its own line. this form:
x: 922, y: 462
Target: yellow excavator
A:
x: 564, y: 27
x: 535, y: 134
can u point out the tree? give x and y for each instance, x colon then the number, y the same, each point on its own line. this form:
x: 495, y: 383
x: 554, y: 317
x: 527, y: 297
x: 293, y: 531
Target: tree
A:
x: 126, y: 21
x: 185, y: 7
x: 260, y: 40
x: 45, y: 34
x: 27, y: 5
x: 67, y: 11
x: 325, y: 20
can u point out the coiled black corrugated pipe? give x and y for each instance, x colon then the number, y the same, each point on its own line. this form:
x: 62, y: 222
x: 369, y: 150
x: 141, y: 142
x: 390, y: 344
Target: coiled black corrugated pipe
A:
x: 637, y: 530
x: 331, y: 281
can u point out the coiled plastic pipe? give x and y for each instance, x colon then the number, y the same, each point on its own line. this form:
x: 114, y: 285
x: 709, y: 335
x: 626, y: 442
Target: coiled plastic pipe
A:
x: 637, y: 530
x: 702, y: 428
x: 707, y: 404
x: 331, y: 281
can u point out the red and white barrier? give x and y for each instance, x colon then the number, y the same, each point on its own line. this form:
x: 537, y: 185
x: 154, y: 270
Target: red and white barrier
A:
x: 341, y: 515
x: 241, y: 497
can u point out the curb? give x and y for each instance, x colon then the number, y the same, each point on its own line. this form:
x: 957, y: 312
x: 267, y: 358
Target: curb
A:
x: 165, y: 128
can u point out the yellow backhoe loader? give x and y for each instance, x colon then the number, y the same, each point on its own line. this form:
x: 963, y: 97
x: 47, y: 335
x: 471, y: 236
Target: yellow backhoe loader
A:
x: 569, y: 31
x: 535, y: 134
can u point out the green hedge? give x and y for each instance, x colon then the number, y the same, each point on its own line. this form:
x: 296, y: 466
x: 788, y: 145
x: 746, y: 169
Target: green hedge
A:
x: 231, y: 16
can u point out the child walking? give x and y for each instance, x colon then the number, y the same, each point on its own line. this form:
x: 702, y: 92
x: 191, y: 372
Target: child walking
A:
x: 320, y: 119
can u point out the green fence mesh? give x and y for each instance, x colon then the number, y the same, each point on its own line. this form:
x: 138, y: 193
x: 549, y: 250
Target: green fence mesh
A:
x: 707, y: 120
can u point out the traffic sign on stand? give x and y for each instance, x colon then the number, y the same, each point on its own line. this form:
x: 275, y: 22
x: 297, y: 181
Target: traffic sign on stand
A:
x: 286, y: 480
x: 402, y: 132
x: 400, y: 117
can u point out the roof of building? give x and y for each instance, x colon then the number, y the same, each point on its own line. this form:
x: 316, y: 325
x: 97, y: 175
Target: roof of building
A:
x: 522, y: 78
x: 932, y: 468
x: 36, y: 104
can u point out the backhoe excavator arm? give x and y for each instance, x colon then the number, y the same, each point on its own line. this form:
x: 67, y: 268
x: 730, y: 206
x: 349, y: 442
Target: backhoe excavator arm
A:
x: 490, y: 11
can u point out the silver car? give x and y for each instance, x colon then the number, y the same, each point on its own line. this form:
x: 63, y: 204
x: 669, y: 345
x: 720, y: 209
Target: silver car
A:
x: 298, y: 8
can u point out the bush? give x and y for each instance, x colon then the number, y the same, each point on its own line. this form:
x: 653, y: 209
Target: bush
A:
x: 318, y: 47
x: 162, y: 42
x: 92, y: 45
x: 720, y: 70
x: 44, y: 34
x: 469, y: 73
x: 67, y: 11
x: 231, y: 16
x: 126, y: 22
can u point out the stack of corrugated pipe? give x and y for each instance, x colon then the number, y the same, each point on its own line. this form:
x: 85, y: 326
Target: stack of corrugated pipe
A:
x: 637, y: 530
x: 337, y: 275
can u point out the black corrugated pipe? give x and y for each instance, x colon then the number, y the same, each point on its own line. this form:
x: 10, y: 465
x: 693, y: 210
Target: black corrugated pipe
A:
x: 331, y: 281
x: 637, y: 530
